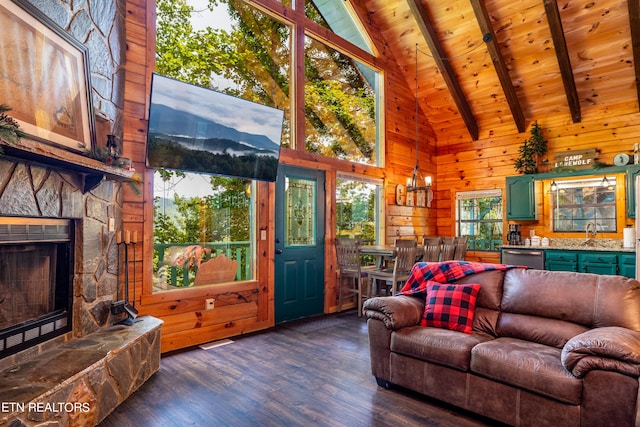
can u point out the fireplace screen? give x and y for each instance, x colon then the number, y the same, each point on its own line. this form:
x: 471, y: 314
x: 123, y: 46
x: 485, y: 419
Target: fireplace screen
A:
x: 35, y: 283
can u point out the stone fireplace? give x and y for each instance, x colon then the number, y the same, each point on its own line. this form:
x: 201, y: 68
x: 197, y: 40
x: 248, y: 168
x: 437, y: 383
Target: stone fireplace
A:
x: 64, y: 358
x: 60, y: 272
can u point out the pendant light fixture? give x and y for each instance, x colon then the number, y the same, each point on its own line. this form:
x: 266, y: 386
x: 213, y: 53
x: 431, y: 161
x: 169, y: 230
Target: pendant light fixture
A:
x: 414, y: 183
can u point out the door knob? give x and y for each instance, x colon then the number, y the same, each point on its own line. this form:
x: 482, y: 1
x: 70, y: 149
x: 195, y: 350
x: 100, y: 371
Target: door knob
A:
x: 278, y: 251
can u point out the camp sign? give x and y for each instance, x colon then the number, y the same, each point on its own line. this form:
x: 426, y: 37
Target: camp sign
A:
x: 575, y: 159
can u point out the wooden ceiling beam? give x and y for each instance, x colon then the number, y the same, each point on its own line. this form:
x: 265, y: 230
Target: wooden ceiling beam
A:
x: 489, y: 36
x: 562, y: 53
x: 634, y: 22
x: 424, y: 23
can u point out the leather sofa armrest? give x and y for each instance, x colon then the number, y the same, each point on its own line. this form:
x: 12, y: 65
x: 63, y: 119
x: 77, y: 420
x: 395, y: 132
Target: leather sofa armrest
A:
x: 395, y: 312
x: 609, y: 348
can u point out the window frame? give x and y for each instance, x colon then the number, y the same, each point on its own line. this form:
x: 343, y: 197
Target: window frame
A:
x: 379, y: 198
x: 493, y: 244
x: 597, y: 207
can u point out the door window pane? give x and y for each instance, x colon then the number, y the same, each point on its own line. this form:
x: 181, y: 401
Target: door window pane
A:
x: 300, y: 212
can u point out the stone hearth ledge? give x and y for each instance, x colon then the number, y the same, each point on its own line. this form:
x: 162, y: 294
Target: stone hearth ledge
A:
x: 81, y: 382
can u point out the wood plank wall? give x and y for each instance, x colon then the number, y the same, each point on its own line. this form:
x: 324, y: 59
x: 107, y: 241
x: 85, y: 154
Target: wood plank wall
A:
x: 484, y: 164
x: 246, y: 307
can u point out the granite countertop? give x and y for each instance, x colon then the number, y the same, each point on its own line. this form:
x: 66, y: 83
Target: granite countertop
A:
x: 609, y: 245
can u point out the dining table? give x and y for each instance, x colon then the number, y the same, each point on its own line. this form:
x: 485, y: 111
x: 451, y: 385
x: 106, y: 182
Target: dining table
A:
x: 384, y: 253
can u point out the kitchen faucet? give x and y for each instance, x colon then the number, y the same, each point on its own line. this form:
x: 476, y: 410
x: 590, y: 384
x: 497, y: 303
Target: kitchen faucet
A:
x: 590, y: 228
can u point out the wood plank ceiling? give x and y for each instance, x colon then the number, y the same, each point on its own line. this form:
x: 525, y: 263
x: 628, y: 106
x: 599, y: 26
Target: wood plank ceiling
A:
x: 492, y: 67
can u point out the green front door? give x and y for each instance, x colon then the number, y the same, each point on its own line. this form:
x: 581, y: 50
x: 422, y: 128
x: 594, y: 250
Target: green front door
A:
x: 299, y: 245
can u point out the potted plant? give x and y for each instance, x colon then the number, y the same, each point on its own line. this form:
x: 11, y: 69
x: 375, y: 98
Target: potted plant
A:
x: 531, y: 151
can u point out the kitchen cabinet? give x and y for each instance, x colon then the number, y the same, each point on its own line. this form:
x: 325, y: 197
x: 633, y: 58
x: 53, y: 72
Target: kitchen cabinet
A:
x: 521, y: 198
x: 561, y: 260
x: 627, y: 265
x: 590, y: 261
x: 631, y: 174
x: 598, y: 263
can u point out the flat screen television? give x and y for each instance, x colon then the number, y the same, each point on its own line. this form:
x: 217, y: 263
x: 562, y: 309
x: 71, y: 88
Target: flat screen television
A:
x: 201, y: 130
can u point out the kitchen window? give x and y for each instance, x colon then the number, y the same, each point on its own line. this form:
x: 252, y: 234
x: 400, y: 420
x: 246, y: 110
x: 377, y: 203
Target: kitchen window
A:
x: 579, y: 202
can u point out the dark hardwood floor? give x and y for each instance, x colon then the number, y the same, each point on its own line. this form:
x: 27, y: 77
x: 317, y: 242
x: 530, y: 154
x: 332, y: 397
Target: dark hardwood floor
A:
x: 305, y: 373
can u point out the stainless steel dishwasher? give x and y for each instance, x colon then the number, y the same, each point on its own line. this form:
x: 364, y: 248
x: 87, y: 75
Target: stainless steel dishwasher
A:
x: 532, y: 258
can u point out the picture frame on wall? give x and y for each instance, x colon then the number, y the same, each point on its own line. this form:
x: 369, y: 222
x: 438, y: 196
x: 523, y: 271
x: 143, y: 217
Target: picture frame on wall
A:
x: 45, y: 78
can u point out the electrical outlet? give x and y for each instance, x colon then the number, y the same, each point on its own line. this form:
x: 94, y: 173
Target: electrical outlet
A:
x: 209, y: 303
x: 111, y: 224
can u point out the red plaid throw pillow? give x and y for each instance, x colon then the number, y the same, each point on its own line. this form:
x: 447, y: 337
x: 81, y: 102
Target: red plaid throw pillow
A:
x: 450, y: 306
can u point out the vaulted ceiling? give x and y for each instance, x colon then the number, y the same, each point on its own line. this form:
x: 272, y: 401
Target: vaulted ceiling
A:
x: 489, y: 67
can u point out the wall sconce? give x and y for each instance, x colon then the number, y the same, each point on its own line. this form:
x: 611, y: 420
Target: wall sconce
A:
x: 554, y: 186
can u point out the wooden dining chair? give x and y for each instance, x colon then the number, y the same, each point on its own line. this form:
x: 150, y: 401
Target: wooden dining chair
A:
x: 352, y: 277
x: 432, y: 246
x: 404, y: 260
x: 448, y: 248
x: 461, y: 248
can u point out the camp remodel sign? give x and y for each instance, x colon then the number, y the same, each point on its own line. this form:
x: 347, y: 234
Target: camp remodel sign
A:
x: 575, y: 159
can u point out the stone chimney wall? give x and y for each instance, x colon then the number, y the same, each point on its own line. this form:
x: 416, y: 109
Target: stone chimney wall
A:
x: 35, y: 190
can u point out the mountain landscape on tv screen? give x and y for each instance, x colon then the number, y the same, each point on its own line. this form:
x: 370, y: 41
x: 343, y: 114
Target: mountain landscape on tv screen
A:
x: 181, y: 140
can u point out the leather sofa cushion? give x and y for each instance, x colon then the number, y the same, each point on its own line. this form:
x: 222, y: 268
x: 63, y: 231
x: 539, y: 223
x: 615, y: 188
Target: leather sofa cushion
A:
x: 530, y: 366
x: 490, y: 282
x: 586, y: 299
x: 485, y: 318
x: 441, y: 346
x: 542, y: 330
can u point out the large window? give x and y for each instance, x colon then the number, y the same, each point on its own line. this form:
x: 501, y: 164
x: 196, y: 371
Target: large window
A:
x: 204, y: 225
x: 358, y: 208
x: 238, y: 48
x: 198, y: 218
x: 228, y: 46
x: 479, y: 217
x: 336, y: 16
x: 341, y: 105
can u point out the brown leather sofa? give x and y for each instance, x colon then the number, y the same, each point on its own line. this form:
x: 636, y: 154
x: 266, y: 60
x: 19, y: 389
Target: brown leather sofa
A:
x: 547, y: 348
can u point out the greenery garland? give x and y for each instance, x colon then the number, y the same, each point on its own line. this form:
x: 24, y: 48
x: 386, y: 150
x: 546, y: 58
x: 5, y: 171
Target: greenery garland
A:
x: 9, y: 127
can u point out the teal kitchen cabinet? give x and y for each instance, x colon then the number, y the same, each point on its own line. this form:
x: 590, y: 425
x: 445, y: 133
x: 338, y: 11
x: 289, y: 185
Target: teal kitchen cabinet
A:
x: 521, y: 198
x: 598, y: 262
x: 631, y: 175
x: 627, y: 265
x: 561, y: 260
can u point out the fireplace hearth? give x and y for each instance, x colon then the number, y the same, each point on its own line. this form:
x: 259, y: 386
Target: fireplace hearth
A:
x: 36, y: 276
